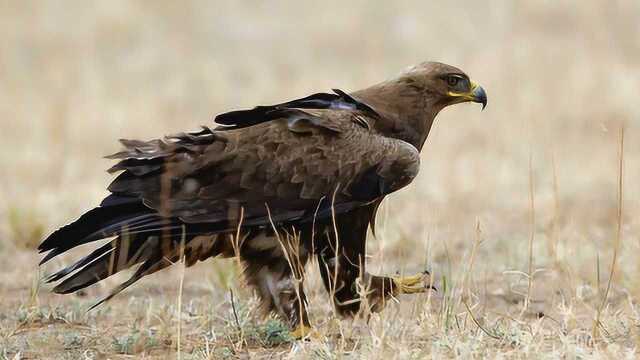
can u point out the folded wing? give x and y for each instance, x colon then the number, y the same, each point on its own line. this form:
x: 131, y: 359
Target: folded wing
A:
x: 283, y: 167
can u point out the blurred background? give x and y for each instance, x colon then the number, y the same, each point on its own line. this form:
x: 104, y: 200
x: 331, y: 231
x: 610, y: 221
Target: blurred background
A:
x: 562, y: 78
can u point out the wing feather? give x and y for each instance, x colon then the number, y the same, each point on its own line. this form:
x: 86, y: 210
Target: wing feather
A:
x: 288, y: 163
x: 261, y: 114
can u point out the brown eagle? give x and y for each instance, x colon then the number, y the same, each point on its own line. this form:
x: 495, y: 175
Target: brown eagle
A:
x: 273, y: 185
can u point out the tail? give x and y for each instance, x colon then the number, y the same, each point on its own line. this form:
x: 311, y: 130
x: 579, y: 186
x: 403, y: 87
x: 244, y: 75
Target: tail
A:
x: 142, y: 236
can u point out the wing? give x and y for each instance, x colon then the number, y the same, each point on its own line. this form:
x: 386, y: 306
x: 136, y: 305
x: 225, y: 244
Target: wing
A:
x: 282, y: 170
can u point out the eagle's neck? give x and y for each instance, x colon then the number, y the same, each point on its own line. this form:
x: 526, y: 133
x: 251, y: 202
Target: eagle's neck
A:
x: 406, y: 113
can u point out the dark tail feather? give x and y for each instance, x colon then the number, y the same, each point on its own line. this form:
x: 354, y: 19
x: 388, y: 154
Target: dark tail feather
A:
x: 143, y: 238
x: 82, y: 262
x: 153, y: 251
x: 104, y: 221
x: 148, y: 267
x: 111, y: 258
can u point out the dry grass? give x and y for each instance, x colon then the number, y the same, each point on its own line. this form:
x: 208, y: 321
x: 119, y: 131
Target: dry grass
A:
x: 521, y: 271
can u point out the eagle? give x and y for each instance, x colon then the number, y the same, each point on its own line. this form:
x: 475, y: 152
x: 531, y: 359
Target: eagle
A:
x: 273, y: 186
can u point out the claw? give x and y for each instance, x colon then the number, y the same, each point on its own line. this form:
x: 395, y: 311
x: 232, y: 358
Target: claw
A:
x: 418, y: 283
x: 304, y: 332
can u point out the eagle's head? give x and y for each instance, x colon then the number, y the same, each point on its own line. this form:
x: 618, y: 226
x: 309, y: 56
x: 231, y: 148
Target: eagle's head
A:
x: 409, y: 103
x: 444, y: 84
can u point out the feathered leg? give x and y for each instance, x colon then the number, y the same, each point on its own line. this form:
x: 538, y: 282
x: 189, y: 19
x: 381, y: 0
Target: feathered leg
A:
x: 342, y: 267
x: 274, y: 265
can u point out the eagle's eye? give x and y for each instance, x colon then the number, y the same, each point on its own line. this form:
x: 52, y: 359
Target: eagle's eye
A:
x: 457, y: 83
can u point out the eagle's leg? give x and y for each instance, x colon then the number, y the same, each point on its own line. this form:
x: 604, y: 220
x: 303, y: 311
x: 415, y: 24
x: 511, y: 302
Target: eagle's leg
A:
x: 342, y: 267
x: 342, y: 263
x: 348, y: 282
x: 351, y: 287
x: 277, y: 275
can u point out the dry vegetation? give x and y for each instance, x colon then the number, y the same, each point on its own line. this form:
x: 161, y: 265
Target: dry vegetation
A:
x: 516, y: 210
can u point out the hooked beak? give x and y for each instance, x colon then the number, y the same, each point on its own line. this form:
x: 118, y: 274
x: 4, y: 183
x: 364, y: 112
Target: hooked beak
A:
x: 479, y: 95
x: 475, y: 94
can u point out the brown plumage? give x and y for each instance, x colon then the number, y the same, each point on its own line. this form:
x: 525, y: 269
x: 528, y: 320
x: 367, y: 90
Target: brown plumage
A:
x: 272, y: 185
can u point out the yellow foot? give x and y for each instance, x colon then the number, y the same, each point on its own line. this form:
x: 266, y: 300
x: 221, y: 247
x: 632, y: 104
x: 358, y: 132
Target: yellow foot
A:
x: 413, y: 284
x: 304, y: 332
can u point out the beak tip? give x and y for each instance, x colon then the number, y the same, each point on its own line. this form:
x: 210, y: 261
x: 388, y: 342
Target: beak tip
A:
x: 480, y: 96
